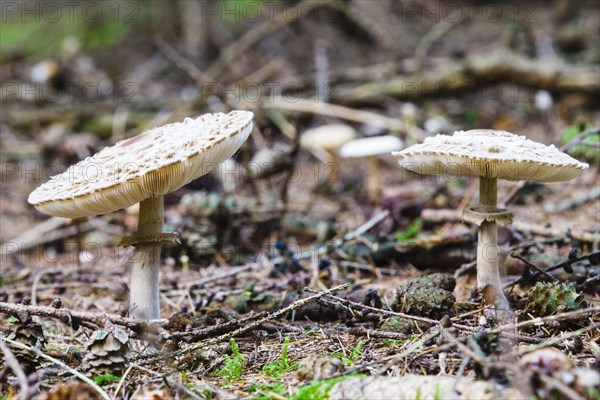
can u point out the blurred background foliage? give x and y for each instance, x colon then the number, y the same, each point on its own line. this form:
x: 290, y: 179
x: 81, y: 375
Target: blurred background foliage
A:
x: 35, y: 29
x: 98, y: 26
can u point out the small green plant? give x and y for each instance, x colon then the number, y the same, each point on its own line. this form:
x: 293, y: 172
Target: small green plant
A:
x: 280, y: 366
x: 411, y: 232
x: 275, y: 390
x: 438, y: 392
x: 586, y: 149
x: 185, y: 379
x: 319, y: 390
x: 353, y: 356
x: 106, y: 379
x: 234, y: 364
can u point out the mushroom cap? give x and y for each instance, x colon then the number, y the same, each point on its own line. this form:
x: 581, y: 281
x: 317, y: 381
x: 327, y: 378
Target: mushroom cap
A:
x: 327, y: 137
x: 489, y: 153
x: 370, y: 146
x: 152, y: 163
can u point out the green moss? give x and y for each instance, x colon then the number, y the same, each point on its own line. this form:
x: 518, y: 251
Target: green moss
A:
x: 106, y: 379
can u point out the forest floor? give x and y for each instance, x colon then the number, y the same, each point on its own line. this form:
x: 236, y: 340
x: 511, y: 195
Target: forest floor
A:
x: 290, y: 281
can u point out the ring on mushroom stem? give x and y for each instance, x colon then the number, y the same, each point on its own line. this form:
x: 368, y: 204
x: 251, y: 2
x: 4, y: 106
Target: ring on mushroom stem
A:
x: 489, y: 155
x: 142, y: 169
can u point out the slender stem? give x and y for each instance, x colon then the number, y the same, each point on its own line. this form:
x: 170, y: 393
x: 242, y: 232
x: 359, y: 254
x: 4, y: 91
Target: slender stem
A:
x: 488, y: 273
x: 144, y: 295
x: 335, y: 165
x: 488, y: 194
x: 373, y: 185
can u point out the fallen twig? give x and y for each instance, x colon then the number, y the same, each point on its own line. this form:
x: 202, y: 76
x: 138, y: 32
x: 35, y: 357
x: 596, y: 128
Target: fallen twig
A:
x: 388, y: 313
x: 233, y: 271
x: 475, y: 72
x: 362, y: 331
x: 554, y: 383
x: 269, y: 316
x: 452, y: 215
x: 181, y: 62
x: 210, y: 331
x: 556, y: 339
x: 294, y: 306
x: 438, y: 31
x: 579, y: 139
x: 566, y: 263
x: 265, y: 29
x: 69, y: 317
x: 378, y: 218
x: 535, y: 267
x: 414, y: 346
x: 72, y: 371
x: 346, y: 113
x: 577, y: 314
x: 11, y: 361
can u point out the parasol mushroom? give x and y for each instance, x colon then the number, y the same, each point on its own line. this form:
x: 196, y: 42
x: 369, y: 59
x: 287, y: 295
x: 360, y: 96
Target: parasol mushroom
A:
x: 142, y: 169
x: 489, y: 155
x: 325, y: 141
x: 370, y: 148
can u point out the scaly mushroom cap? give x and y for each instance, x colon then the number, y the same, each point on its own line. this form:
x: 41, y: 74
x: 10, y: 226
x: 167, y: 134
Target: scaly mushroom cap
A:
x: 370, y: 146
x: 489, y: 153
x: 327, y: 137
x: 152, y: 163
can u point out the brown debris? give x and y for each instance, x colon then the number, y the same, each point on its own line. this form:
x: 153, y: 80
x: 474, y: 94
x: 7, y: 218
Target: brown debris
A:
x: 108, y: 351
x: 74, y: 390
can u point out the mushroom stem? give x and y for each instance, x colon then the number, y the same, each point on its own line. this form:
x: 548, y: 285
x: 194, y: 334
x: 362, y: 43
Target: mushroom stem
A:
x: 488, y: 194
x: 373, y: 184
x: 488, y: 272
x: 334, y: 164
x: 144, y: 296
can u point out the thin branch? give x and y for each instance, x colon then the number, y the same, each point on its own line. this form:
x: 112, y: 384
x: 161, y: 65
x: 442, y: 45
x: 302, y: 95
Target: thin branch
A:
x: 182, y: 63
x: 566, y: 391
x: 577, y: 314
x: 68, y: 316
x: 532, y: 265
x: 72, y: 371
x: 269, y: 316
x: 294, y: 306
x: 566, y: 263
x: 355, y: 305
x: 237, y: 48
x: 430, y: 38
x: 476, y: 72
x: 376, y: 219
x: 555, y: 340
x: 343, y: 112
x: 579, y: 139
x: 11, y: 361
